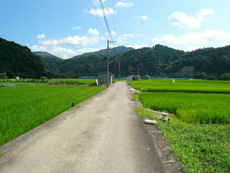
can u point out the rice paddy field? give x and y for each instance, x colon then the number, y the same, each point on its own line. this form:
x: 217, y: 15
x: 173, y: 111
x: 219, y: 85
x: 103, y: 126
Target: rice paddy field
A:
x: 199, y: 133
x: 191, y: 108
x: 50, y: 81
x: 80, y: 81
x: 194, y: 86
x: 26, y: 107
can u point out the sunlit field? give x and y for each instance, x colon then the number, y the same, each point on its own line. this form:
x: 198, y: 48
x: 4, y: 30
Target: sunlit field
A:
x: 195, y: 86
x: 25, y: 107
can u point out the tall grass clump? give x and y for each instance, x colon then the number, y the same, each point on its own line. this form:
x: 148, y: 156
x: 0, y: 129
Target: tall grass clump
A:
x: 25, y: 107
x: 191, y: 108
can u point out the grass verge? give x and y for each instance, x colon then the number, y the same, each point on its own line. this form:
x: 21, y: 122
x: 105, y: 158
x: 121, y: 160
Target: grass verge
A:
x: 201, y: 148
x: 135, y: 96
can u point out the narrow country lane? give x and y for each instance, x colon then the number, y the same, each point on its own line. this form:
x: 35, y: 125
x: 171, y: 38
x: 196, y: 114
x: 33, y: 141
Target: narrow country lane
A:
x: 103, y: 135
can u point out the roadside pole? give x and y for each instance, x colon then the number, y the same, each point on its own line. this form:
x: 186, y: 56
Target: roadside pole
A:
x: 107, y: 79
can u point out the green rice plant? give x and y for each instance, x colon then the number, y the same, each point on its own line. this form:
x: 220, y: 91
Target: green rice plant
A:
x: 193, y: 86
x: 201, y: 148
x: 25, y: 107
x: 79, y: 81
x: 191, y: 108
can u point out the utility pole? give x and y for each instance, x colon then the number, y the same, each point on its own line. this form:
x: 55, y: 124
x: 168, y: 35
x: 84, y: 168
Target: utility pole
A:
x: 107, y: 79
x: 119, y: 69
x: 107, y: 76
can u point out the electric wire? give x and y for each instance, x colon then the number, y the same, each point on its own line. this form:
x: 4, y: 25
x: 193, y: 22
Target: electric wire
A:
x: 114, y: 26
x: 106, y: 21
x: 97, y: 17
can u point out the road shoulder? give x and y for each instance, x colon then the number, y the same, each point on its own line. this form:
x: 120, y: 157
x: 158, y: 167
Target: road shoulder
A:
x: 170, y: 162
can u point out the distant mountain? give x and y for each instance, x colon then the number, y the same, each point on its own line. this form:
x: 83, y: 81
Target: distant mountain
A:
x: 17, y: 60
x: 150, y: 61
x: 50, y: 62
x: 210, y: 61
x: 161, y: 61
x: 43, y: 54
x: 112, y: 51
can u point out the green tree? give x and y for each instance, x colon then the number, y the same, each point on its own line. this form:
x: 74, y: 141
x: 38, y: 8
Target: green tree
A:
x: 3, y: 76
x: 225, y: 76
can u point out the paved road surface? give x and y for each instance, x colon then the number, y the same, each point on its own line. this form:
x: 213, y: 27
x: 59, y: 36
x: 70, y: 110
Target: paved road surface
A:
x: 104, y: 135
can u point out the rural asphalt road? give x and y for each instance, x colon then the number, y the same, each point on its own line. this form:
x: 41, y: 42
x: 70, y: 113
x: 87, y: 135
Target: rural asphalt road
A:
x: 102, y: 135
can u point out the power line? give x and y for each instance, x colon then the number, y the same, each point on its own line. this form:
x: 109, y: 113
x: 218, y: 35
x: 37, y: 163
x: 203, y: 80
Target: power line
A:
x: 106, y: 22
x: 114, y: 28
x: 97, y: 16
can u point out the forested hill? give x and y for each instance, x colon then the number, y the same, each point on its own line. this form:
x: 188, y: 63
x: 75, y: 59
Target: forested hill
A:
x: 159, y: 60
x: 112, y: 51
x: 43, y: 54
x: 149, y: 60
x: 50, y: 62
x: 17, y: 60
x: 209, y: 61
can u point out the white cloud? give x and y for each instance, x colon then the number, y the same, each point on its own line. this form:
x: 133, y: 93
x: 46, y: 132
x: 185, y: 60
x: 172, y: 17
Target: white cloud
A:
x: 190, y: 48
x: 76, y: 28
x: 205, y: 12
x: 157, y: 40
x: 124, y: 5
x: 208, y: 36
x: 85, y: 50
x: 128, y: 35
x: 93, y: 32
x: 141, y: 17
x: 138, y: 46
x: 62, y: 52
x: 41, y: 36
x: 97, y: 2
x: 144, y: 17
x: 113, y: 33
x: 123, y: 38
x: 77, y: 41
x: 181, y: 19
x: 99, y: 12
x: 35, y: 48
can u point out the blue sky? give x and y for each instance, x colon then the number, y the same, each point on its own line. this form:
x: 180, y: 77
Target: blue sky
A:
x: 67, y: 28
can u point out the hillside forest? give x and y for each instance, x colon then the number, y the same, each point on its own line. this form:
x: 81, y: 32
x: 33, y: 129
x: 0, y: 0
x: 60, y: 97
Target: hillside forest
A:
x: 156, y: 61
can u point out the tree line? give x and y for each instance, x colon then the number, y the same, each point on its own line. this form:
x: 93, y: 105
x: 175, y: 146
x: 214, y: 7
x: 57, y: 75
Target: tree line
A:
x: 156, y: 61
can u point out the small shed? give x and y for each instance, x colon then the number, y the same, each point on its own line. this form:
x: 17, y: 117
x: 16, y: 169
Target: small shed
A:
x: 137, y: 77
x: 145, y: 77
x: 102, y: 78
x: 131, y: 77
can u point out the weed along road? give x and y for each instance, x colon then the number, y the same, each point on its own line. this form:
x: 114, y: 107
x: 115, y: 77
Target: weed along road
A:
x: 102, y: 134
